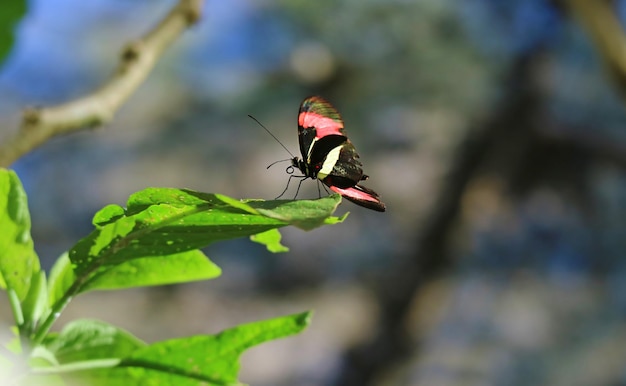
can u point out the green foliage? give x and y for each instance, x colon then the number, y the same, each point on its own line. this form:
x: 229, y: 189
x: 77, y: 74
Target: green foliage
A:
x: 154, y: 240
x: 12, y: 12
x: 20, y: 272
x: 196, y: 360
x: 15, y: 240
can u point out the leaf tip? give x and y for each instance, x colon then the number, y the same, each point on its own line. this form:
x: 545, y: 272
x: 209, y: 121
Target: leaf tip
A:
x: 304, y: 319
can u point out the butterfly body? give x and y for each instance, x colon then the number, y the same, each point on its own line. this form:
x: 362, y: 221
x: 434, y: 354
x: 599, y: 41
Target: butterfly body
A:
x: 328, y: 154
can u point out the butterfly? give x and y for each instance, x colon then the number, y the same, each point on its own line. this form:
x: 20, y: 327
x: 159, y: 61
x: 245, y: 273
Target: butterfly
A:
x: 328, y: 154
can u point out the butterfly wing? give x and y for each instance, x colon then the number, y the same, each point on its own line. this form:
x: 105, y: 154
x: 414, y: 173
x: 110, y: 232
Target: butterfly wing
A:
x: 345, y: 176
x: 361, y: 196
x: 317, y: 119
x: 341, y: 166
x: 329, y: 155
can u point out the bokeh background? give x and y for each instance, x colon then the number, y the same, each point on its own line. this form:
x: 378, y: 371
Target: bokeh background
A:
x: 492, y: 129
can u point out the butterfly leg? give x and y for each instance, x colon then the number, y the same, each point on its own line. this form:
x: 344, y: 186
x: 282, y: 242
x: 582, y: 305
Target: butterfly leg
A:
x: 319, y: 192
x: 302, y: 178
x: 284, y: 190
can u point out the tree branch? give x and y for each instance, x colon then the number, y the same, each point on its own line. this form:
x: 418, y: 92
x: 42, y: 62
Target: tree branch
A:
x: 599, y: 18
x: 136, y: 60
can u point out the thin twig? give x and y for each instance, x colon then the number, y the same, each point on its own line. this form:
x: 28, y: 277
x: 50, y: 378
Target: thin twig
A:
x: 137, y: 59
x: 600, y: 19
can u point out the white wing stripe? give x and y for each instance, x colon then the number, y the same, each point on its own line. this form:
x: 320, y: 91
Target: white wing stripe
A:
x: 329, y: 162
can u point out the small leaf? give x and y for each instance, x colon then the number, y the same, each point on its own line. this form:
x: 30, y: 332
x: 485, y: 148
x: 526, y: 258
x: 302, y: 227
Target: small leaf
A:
x: 12, y: 13
x: 196, y: 360
x: 158, y: 270
x: 85, y: 340
x: 40, y: 356
x: 18, y: 260
x: 16, y: 307
x: 271, y: 240
x: 165, y: 223
x: 36, y: 303
x: 61, y: 278
x: 336, y: 220
x: 164, y: 229
x: 107, y: 215
x: 176, y: 197
x: 148, y: 271
x: 304, y: 214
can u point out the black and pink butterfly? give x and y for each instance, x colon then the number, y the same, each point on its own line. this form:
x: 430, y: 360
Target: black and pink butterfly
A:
x: 328, y: 155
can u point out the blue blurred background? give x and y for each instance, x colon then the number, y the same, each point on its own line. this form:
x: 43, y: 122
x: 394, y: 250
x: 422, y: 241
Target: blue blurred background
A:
x: 490, y: 128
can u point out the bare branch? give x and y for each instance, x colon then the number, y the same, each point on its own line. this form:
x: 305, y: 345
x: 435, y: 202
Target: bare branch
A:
x: 599, y: 18
x: 136, y: 60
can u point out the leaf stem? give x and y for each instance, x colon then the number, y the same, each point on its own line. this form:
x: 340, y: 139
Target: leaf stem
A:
x: 103, y: 363
x: 57, y: 308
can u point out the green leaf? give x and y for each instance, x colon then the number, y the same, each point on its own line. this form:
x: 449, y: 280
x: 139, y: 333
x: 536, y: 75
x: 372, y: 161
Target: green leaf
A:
x: 16, y: 307
x: 164, y: 229
x: 304, y: 214
x: 177, y: 197
x: 271, y: 240
x: 197, y: 360
x: 107, y: 215
x: 61, y: 278
x: 86, y: 340
x: 158, y: 270
x: 167, y: 224
x: 12, y: 13
x: 18, y: 260
x: 40, y: 356
x: 36, y: 302
x: 148, y: 271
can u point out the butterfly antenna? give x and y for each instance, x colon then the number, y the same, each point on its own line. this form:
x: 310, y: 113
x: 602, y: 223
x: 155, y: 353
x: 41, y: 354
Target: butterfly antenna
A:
x: 275, y: 162
x: 273, y: 136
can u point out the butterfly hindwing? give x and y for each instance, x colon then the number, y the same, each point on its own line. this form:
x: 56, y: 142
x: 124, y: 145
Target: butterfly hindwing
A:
x: 322, y: 148
x: 361, y: 196
x: 342, y: 166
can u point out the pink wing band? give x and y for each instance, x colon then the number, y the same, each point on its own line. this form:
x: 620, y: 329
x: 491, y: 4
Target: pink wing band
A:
x: 354, y: 193
x: 323, y: 125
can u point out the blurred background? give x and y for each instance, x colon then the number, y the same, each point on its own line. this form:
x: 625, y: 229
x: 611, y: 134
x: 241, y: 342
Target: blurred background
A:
x: 492, y: 129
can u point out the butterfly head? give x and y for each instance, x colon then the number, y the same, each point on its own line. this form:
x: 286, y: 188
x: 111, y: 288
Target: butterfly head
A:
x: 302, y: 166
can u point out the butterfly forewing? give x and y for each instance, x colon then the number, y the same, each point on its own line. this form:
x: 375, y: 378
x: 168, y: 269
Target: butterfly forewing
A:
x: 317, y: 119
